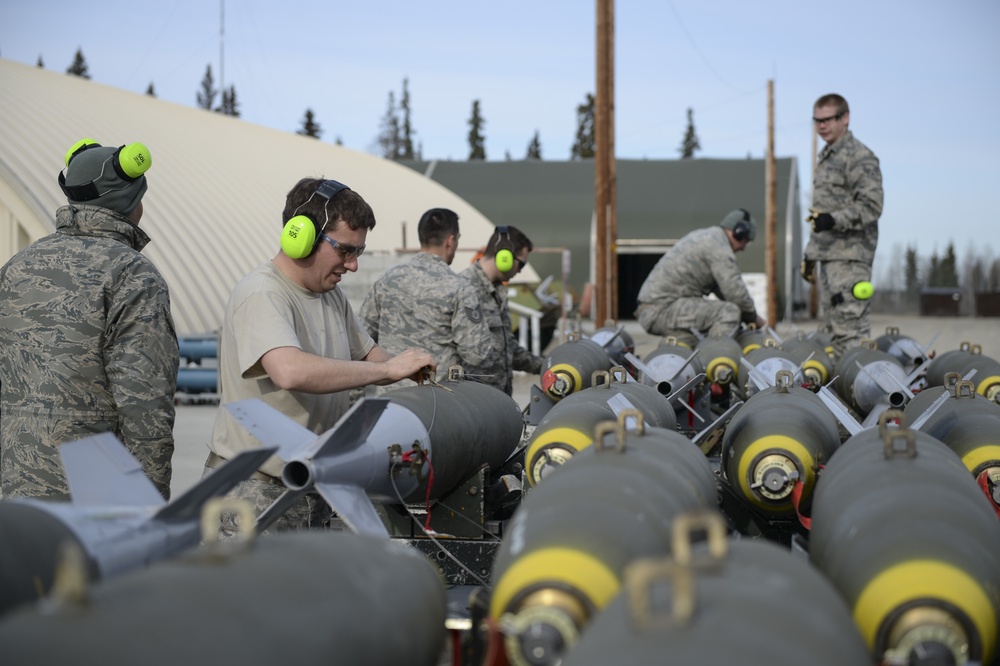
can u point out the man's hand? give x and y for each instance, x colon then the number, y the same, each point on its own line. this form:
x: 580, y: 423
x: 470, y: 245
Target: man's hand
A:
x: 820, y: 221
x: 409, y: 364
x: 808, y: 269
x: 761, y: 323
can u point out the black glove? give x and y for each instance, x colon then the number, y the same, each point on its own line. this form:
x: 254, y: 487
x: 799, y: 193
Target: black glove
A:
x: 820, y: 221
x: 808, y: 269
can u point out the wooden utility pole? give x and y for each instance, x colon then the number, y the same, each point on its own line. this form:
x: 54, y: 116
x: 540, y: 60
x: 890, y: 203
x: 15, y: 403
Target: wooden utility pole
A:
x: 605, y: 247
x: 813, y: 289
x: 771, y: 215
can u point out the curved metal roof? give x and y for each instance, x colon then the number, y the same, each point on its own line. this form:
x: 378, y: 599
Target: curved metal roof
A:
x: 216, y: 188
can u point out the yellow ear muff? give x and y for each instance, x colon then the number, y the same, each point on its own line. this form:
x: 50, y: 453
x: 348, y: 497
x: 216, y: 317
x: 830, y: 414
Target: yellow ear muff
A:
x: 863, y: 290
x: 505, y: 260
x: 79, y: 147
x: 504, y: 256
x: 298, y: 237
x: 134, y: 160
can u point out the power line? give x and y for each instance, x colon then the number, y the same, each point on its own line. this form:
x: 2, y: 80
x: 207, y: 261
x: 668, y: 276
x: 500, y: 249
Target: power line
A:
x: 694, y: 45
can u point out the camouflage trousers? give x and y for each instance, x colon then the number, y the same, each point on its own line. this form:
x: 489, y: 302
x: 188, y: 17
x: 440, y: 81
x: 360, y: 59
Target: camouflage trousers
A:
x: 716, y: 318
x: 308, y: 511
x: 844, y: 317
x: 30, y: 465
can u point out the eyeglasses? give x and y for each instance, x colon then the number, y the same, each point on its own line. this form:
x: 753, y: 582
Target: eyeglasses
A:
x: 820, y: 121
x: 343, y: 249
x: 520, y: 264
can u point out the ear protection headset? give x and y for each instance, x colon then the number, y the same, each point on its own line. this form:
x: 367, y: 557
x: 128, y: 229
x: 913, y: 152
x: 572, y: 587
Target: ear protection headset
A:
x: 301, y: 233
x: 504, y: 250
x: 130, y: 163
x: 741, y: 230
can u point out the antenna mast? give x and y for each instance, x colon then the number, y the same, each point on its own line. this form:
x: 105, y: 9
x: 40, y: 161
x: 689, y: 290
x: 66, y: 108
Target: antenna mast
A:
x: 222, y: 45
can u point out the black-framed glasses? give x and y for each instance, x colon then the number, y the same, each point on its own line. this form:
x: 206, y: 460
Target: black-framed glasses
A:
x: 820, y: 121
x: 346, y: 251
x: 520, y: 264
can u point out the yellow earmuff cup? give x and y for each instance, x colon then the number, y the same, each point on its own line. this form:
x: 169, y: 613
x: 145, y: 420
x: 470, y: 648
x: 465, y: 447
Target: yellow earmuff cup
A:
x: 298, y: 237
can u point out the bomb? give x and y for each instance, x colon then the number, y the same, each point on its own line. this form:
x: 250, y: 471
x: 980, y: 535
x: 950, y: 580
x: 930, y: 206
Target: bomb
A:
x: 726, y: 601
x: 967, y: 423
x: 900, y: 528
x: 755, y: 338
x: 867, y: 377
x: 569, y: 426
x: 779, y: 437
x: 963, y: 360
x: 721, y: 357
x: 305, y: 597
x: 117, y: 520
x: 812, y: 357
x: 385, y: 449
x: 759, y: 367
x: 903, y: 348
x: 669, y: 367
x: 564, y: 553
x: 568, y: 368
x: 616, y: 341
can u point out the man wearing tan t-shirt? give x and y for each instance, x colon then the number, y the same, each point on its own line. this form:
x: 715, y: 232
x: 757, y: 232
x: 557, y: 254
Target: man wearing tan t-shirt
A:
x: 291, y: 339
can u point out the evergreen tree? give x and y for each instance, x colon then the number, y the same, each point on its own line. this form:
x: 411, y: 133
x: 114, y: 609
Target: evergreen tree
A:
x: 310, y: 127
x: 389, y: 140
x: 690, y: 143
x: 534, y: 148
x: 229, y: 105
x: 395, y: 138
x: 912, y: 275
x: 41, y: 65
x: 934, y: 271
x: 477, y: 141
x: 406, y: 130
x: 584, y: 148
x: 948, y: 268
x: 79, y: 66
x: 206, y: 96
x: 150, y: 91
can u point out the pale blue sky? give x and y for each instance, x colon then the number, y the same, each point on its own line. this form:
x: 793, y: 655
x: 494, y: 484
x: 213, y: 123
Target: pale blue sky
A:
x: 922, y: 78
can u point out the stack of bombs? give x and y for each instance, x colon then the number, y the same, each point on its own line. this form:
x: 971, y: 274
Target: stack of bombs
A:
x: 896, y: 557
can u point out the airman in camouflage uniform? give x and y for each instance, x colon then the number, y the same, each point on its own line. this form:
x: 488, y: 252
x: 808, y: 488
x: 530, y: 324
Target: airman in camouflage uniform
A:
x: 846, y: 204
x: 703, y: 262
x: 422, y: 303
x: 87, y: 343
x: 487, y: 279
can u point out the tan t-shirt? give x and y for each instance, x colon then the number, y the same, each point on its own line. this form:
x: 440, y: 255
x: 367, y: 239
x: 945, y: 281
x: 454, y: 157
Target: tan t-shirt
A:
x: 265, y: 311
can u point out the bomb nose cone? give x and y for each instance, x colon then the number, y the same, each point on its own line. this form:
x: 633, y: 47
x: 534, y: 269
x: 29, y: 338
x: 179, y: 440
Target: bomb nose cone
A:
x: 775, y: 479
x: 541, y: 644
x: 992, y: 482
x: 557, y: 384
x: 930, y: 653
x: 550, y: 459
x: 540, y: 636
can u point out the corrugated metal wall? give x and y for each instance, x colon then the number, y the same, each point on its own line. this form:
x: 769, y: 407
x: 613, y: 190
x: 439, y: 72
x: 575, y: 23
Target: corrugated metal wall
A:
x: 216, y: 188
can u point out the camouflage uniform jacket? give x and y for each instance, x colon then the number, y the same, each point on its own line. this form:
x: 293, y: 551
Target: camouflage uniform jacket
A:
x: 422, y: 303
x: 87, y: 345
x: 508, y: 354
x: 847, y: 184
x: 700, y: 263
